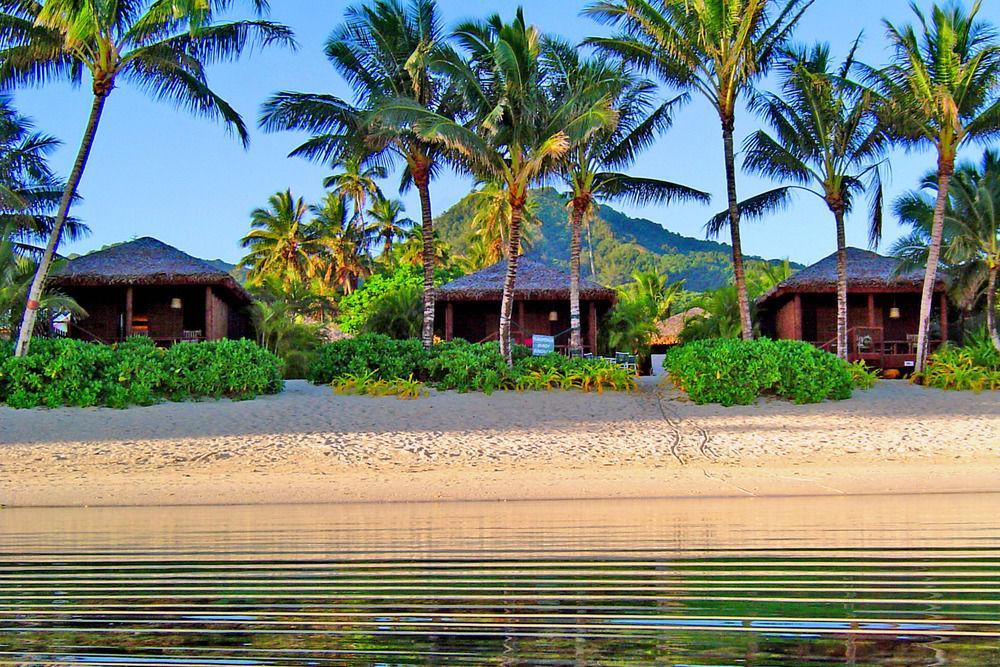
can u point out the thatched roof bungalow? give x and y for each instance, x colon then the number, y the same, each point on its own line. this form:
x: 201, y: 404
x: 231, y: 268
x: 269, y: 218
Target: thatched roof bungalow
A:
x: 882, y: 314
x: 668, y: 331
x: 469, y: 307
x: 146, y: 287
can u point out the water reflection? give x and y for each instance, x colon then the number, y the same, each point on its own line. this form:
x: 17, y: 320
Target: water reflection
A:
x: 861, y: 581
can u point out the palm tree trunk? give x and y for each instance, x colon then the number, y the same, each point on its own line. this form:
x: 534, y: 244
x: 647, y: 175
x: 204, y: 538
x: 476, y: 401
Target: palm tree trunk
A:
x: 576, y: 219
x: 421, y: 179
x: 945, y: 169
x: 38, y: 283
x: 739, y: 274
x: 841, y: 285
x: 590, y: 246
x: 507, y: 302
x: 991, y: 305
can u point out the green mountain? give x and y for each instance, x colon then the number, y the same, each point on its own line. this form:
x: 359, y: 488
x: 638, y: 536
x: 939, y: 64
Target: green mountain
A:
x: 621, y: 244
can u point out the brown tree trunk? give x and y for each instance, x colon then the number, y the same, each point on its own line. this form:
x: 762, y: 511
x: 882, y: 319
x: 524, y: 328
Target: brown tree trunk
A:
x: 517, y: 201
x: 38, y: 282
x: 945, y: 169
x: 739, y: 273
x: 578, y: 206
x: 841, y: 284
x: 590, y: 246
x: 991, y: 306
x: 421, y: 179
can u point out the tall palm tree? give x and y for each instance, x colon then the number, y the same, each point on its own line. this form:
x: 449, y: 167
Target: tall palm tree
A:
x: 719, y: 48
x: 343, y: 242
x: 385, y: 51
x: 281, y: 242
x: 970, y: 240
x: 386, y: 223
x: 518, y: 133
x: 593, y: 168
x: 826, y: 138
x: 355, y: 180
x: 163, y: 47
x: 940, y: 90
x: 491, y: 223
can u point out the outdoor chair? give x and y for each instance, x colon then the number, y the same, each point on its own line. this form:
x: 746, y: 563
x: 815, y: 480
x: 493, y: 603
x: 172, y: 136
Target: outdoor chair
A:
x: 626, y: 361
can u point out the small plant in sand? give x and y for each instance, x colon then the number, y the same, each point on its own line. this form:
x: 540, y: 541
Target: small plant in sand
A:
x: 366, y: 384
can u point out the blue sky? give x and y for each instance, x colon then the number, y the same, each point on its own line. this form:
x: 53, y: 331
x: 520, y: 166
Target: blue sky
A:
x: 155, y: 171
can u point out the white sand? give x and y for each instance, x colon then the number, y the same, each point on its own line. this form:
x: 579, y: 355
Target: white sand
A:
x: 310, y: 445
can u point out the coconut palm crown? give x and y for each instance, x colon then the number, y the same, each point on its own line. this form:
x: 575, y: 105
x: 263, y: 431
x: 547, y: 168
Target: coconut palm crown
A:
x: 161, y: 46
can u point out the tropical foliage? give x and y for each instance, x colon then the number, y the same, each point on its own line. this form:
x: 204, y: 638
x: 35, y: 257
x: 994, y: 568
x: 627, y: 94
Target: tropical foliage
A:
x: 738, y: 372
x: 59, y: 372
x: 972, y: 367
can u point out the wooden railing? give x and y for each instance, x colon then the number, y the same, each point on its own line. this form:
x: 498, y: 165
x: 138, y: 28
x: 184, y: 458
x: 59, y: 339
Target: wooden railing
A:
x: 869, y: 344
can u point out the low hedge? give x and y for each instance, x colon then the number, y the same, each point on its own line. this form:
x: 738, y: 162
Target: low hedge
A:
x: 458, y: 366
x: 65, y: 372
x: 737, y: 372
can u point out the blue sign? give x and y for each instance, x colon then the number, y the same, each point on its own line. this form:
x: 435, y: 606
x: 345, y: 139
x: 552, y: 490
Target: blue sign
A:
x: 542, y: 345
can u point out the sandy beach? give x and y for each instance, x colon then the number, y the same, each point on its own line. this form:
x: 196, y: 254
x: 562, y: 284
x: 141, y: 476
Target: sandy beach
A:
x: 310, y: 445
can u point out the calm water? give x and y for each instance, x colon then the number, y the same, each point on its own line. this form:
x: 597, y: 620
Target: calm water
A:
x: 858, y: 581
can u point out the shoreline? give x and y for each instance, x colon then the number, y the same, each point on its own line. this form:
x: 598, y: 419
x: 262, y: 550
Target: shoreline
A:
x: 308, y: 446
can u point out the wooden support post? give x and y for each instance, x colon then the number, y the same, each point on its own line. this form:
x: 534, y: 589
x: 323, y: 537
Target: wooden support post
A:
x: 128, y: 311
x: 449, y: 320
x: 944, y: 317
x: 797, y: 311
x: 871, y: 311
x: 592, y: 326
x: 209, y: 332
x: 520, y: 318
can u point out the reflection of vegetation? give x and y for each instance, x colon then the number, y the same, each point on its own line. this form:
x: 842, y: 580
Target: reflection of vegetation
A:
x: 340, y: 621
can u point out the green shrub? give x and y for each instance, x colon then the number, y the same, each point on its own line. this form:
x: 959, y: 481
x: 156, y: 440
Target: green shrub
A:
x: 863, y: 377
x: 462, y: 366
x: 237, y: 369
x: 737, y: 372
x: 387, y: 357
x: 974, y: 367
x: 65, y: 372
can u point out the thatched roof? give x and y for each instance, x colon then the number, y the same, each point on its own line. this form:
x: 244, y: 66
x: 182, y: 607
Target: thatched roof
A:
x: 668, y: 331
x: 535, y: 281
x: 144, y: 261
x: 866, y: 271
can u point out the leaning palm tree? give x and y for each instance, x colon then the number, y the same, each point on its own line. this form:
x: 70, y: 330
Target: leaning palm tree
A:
x: 385, y: 51
x: 518, y: 134
x: 281, y: 243
x: 719, y: 48
x: 940, y: 89
x: 970, y: 239
x: 826, y: 138
x: 387, y: 226
x: 355, y: 180
x: 593, y: 169
x: 163, y: 47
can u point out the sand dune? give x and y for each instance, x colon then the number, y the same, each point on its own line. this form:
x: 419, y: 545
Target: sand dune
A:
x: 310, y: 445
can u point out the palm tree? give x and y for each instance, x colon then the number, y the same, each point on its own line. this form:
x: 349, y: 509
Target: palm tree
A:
x: 385, y: 51
x: 718, y: 48
x: 355, y: 180
x: 162, y: 47
x: 29, y: 191
x: 491, y: 223
x: 828, y: 141
x: 343, y: 242
x: 970, y: 240
x: 518, y: 134
x: 386, y: 223
x: 281, y: 242
x: 940, y: 90
x: 592, y: 170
